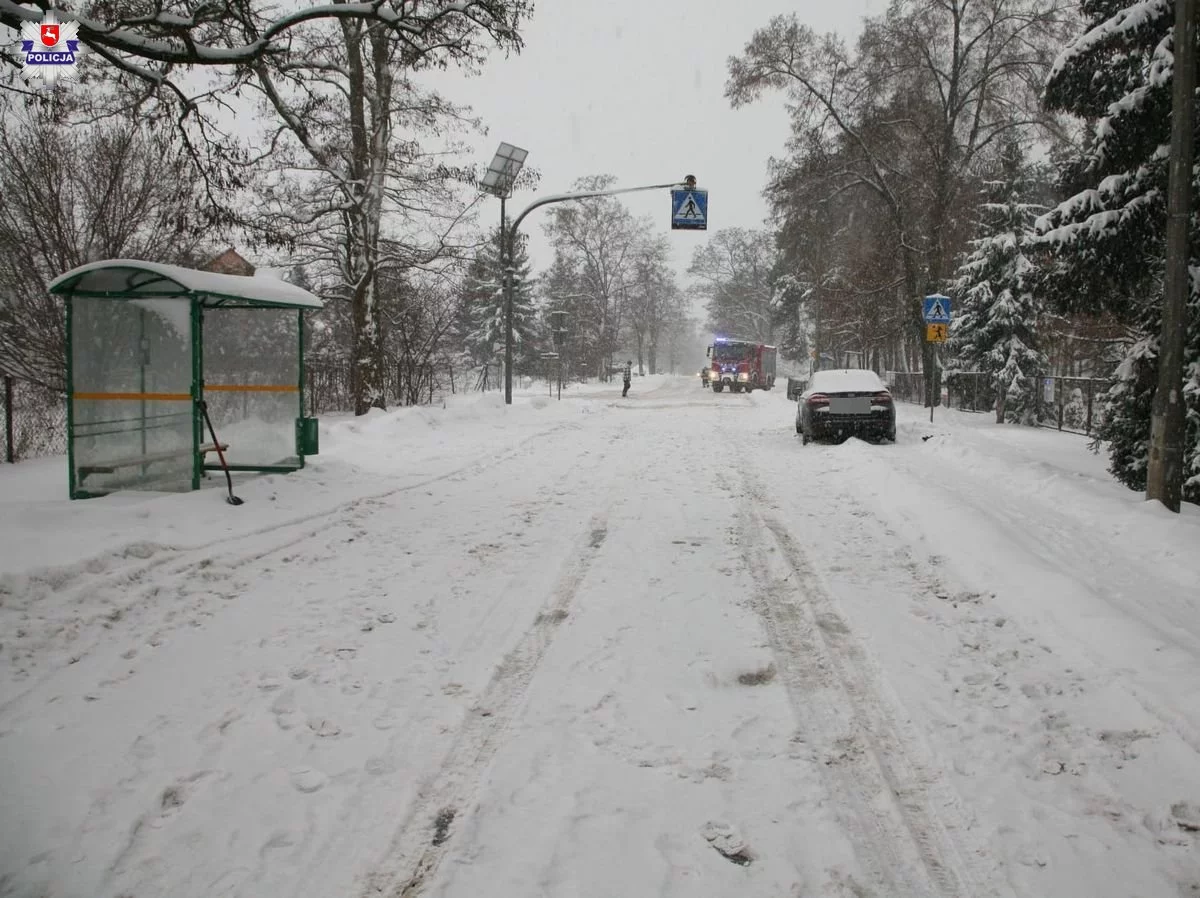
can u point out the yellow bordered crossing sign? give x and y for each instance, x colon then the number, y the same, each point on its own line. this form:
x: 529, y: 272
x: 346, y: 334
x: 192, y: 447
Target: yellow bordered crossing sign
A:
x: 936, y: 333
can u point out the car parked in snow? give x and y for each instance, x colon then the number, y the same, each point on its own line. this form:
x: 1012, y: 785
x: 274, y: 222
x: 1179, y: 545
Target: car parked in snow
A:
x: 842, y: 403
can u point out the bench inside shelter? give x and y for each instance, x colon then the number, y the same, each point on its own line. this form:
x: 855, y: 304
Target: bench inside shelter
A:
x: 112, y: 466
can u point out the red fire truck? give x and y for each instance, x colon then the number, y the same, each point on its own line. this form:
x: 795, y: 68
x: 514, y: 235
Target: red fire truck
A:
x: 741, y: 365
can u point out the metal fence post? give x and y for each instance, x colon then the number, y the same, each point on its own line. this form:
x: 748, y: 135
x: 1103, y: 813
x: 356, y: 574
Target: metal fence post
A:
x: 1091, y: 392
x: 10, y: 442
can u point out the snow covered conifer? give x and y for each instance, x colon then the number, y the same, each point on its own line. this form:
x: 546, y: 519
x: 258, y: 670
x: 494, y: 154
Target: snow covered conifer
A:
x: 996, y: 330
x: 1108, y: 238
x: 481, y: 313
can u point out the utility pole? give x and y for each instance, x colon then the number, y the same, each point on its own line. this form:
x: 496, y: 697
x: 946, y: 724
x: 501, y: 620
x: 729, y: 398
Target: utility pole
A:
x: 510, y: 274
x: 1164, y: 476
x: 505, y: 274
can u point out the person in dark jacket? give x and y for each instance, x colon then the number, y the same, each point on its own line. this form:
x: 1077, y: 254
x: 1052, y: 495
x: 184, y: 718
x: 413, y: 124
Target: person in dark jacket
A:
x: 628, y: 378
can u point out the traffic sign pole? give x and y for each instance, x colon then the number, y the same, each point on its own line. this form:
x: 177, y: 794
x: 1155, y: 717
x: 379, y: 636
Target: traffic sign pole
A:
x: 938, y: 312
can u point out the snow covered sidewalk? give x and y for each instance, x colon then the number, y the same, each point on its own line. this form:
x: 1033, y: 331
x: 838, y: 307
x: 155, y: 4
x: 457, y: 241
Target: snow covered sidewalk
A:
x: 606, y: 646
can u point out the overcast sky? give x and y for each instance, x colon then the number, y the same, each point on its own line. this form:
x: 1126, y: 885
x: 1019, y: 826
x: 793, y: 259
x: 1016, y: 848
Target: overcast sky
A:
x: 635, y: 88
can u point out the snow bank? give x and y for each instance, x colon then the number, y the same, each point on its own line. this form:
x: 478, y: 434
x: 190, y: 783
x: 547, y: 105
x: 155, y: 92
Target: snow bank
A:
x: 360, y: 457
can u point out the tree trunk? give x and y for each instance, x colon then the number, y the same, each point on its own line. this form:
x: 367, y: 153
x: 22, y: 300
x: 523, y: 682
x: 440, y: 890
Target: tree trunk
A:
x: 368, y: 349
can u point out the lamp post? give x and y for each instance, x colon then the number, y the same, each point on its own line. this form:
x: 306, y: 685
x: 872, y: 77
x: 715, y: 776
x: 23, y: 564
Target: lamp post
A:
x: 562, y: 198
x: 498, y: 181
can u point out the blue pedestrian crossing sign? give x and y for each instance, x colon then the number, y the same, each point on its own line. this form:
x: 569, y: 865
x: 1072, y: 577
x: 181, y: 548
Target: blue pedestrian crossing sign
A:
x: 937, y: 309
x: 689, y: 210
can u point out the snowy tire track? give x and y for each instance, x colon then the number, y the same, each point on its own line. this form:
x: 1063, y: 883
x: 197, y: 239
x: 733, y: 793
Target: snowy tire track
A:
x: 26, y: 595
x: 907, y: 826
x: 418, y: 847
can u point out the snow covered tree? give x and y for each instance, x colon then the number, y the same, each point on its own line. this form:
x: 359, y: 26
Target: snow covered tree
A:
x: 1107, y: 238
x: 996, y: 330
x: 481, y: 308
x: 735, y: 271
x: 561, y: 289
x: 155, y: 43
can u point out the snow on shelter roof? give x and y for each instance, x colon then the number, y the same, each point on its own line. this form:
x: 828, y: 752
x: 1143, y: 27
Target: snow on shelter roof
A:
x: 136, y: 279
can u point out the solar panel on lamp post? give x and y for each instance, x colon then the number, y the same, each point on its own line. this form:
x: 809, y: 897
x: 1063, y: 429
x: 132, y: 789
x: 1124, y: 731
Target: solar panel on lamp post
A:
x: 498, y: 181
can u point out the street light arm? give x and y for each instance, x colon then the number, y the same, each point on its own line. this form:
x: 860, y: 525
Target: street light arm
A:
x: 509, y: 241
x: 583, y: 195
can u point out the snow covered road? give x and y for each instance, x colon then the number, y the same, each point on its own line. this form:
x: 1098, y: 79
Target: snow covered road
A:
x: 605, y: 647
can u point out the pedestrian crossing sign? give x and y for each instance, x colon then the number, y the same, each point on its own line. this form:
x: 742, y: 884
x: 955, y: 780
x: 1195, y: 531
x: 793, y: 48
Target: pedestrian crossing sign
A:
x: 936, y: 333
x: 937, y: 309
x: 689, y: 210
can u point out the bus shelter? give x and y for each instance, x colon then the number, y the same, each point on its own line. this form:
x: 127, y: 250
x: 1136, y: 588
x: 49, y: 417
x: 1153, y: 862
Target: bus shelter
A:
x: 151, y: 347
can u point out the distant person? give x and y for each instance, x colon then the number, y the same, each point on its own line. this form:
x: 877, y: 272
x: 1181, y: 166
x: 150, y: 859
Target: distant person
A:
x: 628, y: 378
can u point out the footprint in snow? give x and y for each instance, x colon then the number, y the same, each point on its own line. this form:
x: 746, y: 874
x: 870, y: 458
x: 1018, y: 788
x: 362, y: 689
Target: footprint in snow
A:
x: 380, y: 766
x: 1186, y: 816
x: 387, y: 720
x: 726, y: 840
x: 284, y: 709
x: 308, y: 780
x: 324, y: 728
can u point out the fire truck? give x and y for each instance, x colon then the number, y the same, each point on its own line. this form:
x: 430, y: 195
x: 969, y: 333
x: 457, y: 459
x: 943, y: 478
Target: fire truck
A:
x: 741, y: 365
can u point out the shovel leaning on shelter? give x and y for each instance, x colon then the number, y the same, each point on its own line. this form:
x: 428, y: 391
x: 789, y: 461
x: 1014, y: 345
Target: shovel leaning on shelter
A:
x: 232, y: 499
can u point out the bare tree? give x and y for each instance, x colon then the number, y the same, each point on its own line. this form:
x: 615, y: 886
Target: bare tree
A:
x: 600, y: 238
x: 735, y: 271
x: 156, y: 42
x: 73, y: 196
x: 653, y: 299
x: 420, y: 315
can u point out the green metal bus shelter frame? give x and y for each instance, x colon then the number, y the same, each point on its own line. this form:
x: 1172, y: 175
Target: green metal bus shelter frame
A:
x: 130, y: 279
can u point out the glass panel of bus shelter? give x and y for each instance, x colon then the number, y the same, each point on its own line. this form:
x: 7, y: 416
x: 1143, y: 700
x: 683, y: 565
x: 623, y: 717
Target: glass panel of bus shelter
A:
x: 131, y: 365
x: 251, y: 383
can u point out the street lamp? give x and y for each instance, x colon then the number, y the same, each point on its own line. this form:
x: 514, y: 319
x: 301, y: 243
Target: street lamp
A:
x: 498, y: 181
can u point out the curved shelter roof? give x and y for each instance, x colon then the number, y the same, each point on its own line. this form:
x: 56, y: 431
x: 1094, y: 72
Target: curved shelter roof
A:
x: 119, y: 279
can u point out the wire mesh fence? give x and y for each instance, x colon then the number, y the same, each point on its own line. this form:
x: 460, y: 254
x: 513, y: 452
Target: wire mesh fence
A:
x: 1073, y: 404
x: 35, y: 420
x: 907, y: 386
